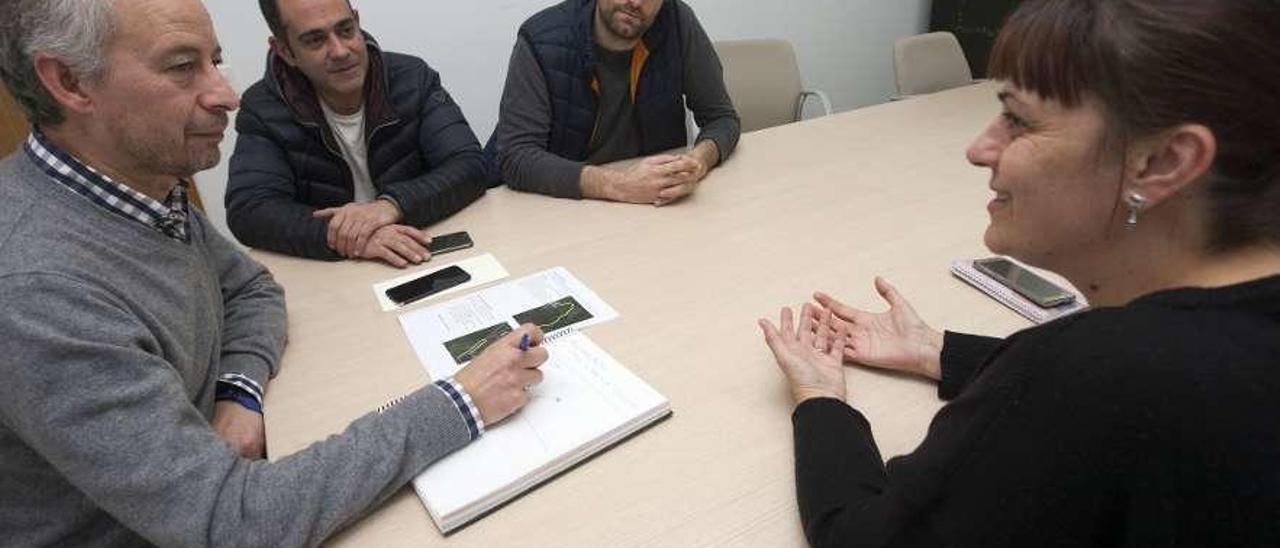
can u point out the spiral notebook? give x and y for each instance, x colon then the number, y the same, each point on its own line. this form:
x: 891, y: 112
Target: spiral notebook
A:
x: 586, y: 403
x: 587, y: 400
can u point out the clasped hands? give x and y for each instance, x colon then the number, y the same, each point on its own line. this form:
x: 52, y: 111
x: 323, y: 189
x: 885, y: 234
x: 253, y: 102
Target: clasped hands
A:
x: 812, y: 351
x: 369, y: 231
x: 659, y: 180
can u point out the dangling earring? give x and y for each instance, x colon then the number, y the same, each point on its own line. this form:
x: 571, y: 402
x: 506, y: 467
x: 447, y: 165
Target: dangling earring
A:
x: 1135, y: 202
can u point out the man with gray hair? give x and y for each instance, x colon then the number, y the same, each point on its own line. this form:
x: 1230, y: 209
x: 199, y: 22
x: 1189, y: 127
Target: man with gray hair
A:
x: 137, y: 342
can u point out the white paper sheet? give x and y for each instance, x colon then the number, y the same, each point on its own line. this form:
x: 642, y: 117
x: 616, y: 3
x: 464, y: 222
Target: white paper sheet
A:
x: 428, y: 329
x: 483, y: 269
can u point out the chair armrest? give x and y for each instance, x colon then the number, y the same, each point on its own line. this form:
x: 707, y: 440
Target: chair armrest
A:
x: 822, y: 97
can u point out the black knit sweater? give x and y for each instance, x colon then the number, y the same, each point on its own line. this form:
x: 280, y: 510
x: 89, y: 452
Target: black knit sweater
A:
x: 1152, y: 424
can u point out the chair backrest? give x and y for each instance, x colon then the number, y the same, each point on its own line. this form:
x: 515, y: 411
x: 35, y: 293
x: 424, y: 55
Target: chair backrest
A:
x: 193, y: 195
x: 13, y: 124
x: 763, y: 79
x: 930, y: 62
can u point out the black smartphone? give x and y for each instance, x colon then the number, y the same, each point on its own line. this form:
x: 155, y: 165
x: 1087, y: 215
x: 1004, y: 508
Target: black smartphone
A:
x: 1038, y: 290
x: 445, y: 243
x: 428, y: 285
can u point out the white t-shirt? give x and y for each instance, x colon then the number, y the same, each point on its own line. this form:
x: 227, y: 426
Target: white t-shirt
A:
x: 349, y: 131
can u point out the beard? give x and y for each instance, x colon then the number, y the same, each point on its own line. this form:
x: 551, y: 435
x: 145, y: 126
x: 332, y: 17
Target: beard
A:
x: 152, y: 150
x: 617, y: 27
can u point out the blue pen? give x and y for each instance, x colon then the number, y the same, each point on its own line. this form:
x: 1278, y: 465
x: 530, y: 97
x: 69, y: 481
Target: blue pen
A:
x: 524, y: 342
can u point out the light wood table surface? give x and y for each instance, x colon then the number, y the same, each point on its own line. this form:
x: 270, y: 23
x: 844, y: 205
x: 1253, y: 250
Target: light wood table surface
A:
x: 824, y: 204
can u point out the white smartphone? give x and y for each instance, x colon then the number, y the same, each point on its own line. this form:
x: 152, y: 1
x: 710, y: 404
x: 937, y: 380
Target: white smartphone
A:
x: 1044, y: 293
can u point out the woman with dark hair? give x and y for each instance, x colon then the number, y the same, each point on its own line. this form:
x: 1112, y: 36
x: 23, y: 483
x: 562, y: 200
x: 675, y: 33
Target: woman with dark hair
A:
x: 1138, y: 155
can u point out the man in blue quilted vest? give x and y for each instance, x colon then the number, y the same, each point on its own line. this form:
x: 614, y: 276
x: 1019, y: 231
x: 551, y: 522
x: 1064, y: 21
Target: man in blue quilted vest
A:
x: 595, y: 81
x: 345, y: 150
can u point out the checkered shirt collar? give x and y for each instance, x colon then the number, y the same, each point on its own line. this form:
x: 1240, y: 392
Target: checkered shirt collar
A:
x: 168, y: 217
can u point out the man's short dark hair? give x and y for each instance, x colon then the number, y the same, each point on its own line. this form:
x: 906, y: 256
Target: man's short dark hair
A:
x: 271, y: 12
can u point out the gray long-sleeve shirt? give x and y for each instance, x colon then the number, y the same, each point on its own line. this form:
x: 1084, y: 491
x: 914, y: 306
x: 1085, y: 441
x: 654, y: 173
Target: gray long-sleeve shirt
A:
x: 111, y: 341
x: 524, y: 119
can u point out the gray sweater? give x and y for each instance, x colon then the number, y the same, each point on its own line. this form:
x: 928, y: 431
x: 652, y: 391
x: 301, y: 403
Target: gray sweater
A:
x: 524, y: 117
x: 111, y: 340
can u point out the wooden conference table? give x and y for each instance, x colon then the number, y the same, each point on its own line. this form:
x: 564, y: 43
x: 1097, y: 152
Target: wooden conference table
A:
x: 824, y: 204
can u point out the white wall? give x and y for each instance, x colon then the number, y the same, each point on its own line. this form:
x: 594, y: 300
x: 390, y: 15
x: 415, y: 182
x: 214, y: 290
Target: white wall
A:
x: 845, y: 47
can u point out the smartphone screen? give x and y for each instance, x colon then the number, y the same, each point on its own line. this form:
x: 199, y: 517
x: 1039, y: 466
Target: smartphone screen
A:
x: 1044, y: 293
x: 428, y: 285
x: 445, y: 243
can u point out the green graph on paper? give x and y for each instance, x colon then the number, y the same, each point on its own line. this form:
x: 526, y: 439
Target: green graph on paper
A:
x: 463, y: 349
x: 555, y: 315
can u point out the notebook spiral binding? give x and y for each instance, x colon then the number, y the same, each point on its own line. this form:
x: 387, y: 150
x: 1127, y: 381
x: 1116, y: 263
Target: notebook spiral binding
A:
x: 559, y: 334
x: 392, y: 403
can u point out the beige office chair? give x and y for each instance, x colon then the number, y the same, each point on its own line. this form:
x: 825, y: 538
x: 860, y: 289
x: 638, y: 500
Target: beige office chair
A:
x: 929, y: 63
x: 763, y: 79
x: 193, y: 195
x: 13, y: 124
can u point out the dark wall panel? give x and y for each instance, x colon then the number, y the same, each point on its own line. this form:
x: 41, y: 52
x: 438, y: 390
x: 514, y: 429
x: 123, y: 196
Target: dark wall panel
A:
x: 975, y: 23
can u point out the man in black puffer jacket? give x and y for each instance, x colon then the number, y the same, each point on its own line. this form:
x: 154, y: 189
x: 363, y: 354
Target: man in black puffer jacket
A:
x: 344, y: 150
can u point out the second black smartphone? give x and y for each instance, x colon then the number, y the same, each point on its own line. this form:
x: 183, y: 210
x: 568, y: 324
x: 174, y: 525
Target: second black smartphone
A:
x: 445, y: 243
x: 428, y: 285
